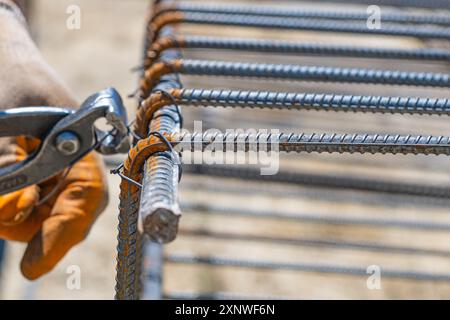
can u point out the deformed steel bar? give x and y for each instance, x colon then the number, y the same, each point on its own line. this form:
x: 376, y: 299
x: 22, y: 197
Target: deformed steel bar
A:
x: 309, y: 242
x: 427, y: 4
x: 323, y: 181
x: 285, y: 101
x: 217, y: 296
x: 153, y: 271
x: 387, y: 29
x: 312, y: 101
x: 295, y: 12
x: 300, y: 101
x: 290, y: 48
x: 290, y: 72
x: 318, y: 218
x: 290, y: 142
x: 159, y: 209
x: 128, y: 257
x: 324, y: 195
x: 303, y: 267
x: 2, y: 255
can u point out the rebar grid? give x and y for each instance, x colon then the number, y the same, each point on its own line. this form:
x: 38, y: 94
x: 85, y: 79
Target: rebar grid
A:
x: 160, y: 174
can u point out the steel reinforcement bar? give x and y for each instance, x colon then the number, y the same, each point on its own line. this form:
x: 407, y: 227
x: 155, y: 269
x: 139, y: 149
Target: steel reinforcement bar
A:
x: 401, y: 30
x: 289, y: 72
x: 288, y: 48
x: 152, y: 202
x: 319, y: 218
x: 322, y: 181
x: 427, y: 4
x: 302, y: 267
x: 293, y: 12
x: 312, y: 242
x: 330, y: 143
x: 285, y: 101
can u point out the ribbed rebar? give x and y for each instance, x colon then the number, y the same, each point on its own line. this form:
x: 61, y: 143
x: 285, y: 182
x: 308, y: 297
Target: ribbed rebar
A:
x: 309, y: 242
x: 341, y: 143
x: 304, y: 267
x: 153, y: 271
x: 217, y: 296
x: 322, y: 181
x: 129, y: 251
x: 312, y: 101
x: 127, y: 255
x: 2, y: 255
x: 317, y: 218
x: 159, y: 209
x: 429, y: 4
x: 313, y: 73
x: 313, y: 25
x: 292, y: 12
x: 287, y: 47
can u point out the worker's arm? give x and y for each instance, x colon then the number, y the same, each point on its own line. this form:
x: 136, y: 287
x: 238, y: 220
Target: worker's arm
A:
x: 53, y: 227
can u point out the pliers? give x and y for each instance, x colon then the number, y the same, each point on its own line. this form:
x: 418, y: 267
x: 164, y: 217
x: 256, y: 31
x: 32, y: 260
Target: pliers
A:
x: 66, y: 136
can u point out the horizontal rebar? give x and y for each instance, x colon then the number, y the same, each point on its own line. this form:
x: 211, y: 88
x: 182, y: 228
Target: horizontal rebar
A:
x: 288, y: 47
x: 303, y: 267
x: 323, y: 181
x: 217, y: 296
x: 341, y: 143
x: 308, y: 242
x: 317, y: 218
x: 428, y: 4
x: 315, y: 25
x: 312, y: 101
x: 290, y: 72
x: 313, y: 73
x: 293, y: 12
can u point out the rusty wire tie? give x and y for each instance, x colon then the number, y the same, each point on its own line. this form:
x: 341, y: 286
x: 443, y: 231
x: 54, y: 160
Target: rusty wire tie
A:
x: 162, y: 138
x: 174, y: 102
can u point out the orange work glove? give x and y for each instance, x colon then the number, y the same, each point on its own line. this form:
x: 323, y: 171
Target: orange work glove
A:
x: 53, y: 227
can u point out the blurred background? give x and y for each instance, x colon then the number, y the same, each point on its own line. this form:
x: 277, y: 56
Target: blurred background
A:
x: 102, y: 52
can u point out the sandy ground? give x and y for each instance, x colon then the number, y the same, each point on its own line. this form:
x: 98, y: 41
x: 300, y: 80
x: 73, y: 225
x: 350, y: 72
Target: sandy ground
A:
x: 101, y: 53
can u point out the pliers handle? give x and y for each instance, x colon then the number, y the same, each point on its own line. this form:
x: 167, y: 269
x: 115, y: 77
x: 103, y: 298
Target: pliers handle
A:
x: 66, y: 136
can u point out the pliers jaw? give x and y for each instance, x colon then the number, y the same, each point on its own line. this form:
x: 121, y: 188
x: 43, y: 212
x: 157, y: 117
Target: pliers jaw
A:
x: 111, y: 105
x: 66, y: 137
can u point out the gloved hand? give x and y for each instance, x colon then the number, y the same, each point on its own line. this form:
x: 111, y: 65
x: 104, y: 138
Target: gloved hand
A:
x: 53, y: 227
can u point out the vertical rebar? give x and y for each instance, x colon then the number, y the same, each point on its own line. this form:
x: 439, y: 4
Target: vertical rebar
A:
x: 153, y: 271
